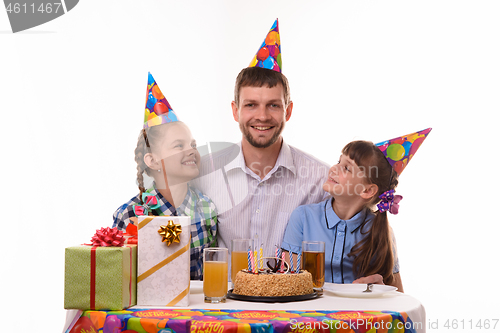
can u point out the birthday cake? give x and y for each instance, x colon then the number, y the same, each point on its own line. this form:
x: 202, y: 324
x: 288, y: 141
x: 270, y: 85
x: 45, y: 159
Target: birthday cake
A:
x: 273, y: 284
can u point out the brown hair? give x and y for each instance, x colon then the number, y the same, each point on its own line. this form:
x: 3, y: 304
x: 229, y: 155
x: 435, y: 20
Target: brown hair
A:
x: 258, y: 77
x: 374, y: 255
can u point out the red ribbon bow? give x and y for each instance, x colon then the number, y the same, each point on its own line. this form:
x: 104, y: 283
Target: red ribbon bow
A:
x: 130, y: 234
x: 108, y: 237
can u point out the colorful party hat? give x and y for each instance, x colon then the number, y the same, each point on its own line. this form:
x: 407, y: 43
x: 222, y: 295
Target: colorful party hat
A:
x: 269, y: 53
x: 158, y: 110
x: 399, y: 151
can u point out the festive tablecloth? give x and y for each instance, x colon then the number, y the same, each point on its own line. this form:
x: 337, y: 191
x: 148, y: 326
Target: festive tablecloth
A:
x: 392, y: 312
x: 246, y: 321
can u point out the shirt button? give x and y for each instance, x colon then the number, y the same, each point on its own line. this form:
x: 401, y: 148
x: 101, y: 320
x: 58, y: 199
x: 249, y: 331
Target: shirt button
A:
x: 340, y: 233
x: 257, y: 211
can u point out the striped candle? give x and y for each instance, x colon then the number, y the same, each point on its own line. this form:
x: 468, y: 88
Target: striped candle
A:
x: 249, y: 260
x: 291, y: 262
x: 277, y: 255
x: 255, y: 261
x: 261, y: 261
x: 252, y: 258
x: 298, y: 262
x: 282, y: 269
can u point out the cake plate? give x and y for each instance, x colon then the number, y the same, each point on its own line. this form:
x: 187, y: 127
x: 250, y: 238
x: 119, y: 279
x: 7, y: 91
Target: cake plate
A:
x: 272, y: 299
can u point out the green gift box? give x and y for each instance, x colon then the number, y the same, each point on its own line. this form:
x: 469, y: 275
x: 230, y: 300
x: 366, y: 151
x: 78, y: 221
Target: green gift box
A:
x: 97, y: 277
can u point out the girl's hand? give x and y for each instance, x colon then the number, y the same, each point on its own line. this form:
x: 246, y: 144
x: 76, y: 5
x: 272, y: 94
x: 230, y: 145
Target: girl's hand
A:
x: 375, y: 278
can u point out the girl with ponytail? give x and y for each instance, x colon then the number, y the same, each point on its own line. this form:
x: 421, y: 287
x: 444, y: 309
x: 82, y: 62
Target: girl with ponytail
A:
x: 359, y: 243
x: 166, y: 152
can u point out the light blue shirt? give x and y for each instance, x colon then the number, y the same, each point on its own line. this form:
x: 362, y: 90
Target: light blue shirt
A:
x: 318, y: 222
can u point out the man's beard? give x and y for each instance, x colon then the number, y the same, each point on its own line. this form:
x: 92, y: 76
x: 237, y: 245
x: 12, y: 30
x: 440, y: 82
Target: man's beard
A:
x: 255, y: 143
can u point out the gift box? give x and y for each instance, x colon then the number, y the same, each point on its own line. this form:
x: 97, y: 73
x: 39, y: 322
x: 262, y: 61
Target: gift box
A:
x: 163, y: 262
x: 99, y: 277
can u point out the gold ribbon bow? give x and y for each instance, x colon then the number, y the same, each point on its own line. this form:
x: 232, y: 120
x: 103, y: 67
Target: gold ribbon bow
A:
x: 170, y: 233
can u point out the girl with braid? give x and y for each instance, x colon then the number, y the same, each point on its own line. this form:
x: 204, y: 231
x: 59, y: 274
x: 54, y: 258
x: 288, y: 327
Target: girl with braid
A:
x: 359, y: 243
x: 166, y: 151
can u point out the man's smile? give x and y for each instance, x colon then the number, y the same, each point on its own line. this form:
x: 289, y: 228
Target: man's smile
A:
x: 262, y: 128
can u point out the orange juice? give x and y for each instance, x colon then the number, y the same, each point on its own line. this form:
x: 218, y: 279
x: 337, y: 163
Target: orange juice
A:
x: 314, y: 263
x: 215, y: 278
x: 239, y: 261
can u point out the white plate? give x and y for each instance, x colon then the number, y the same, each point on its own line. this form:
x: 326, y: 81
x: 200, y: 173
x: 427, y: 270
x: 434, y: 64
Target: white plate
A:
x: 356, y: 290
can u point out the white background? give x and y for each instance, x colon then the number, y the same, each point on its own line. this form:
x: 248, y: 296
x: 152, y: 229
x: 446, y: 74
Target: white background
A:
x: 72, y: 99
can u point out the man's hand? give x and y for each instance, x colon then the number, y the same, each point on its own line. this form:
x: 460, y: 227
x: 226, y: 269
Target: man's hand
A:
x: 375, y: 278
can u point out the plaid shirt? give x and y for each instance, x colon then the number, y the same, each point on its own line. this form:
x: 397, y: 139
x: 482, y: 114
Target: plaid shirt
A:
x: 203, y: 221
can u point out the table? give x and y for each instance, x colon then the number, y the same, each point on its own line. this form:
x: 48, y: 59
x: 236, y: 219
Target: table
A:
x: 393, y: 312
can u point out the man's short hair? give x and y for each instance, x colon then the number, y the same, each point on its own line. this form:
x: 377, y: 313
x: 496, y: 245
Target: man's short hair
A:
x: 258, y: 77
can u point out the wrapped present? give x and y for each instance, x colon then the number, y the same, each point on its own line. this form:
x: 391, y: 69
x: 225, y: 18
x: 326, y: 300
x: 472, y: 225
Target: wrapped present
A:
x: 100, y: 277
x: 163, y: 260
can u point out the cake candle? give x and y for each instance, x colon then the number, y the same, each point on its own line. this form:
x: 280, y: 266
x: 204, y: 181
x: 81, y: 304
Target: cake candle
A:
x: 252, y: 257
x: 282, y: 261
x: 291, y: 261
x: 261, y: 261
x: 255, y: 261
x: 249, y: 260
x: 298, y: 262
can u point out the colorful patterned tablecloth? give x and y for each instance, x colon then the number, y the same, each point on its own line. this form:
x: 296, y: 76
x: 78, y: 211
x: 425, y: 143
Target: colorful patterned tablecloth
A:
x: 241, y: 321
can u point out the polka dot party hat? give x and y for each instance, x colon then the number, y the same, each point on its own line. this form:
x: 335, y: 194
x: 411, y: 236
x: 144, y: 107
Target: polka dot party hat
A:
x: 400, y: 151
x: 158, y: 110
x: 269, y: 53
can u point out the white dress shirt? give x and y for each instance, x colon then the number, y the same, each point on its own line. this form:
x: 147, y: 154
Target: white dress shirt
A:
x: 251, y: 207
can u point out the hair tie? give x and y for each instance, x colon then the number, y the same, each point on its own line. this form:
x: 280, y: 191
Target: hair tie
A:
x: 389, y: 202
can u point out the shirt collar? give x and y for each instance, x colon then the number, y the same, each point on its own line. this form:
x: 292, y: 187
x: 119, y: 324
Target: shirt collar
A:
x: 187, y: 206
x: 238, y: 162
x: 285, y: 159
x: 352, y: 224
x: 165, y: 208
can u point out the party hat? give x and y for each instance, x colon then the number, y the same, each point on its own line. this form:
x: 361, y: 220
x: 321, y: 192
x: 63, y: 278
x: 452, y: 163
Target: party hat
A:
x: 399, y: 151
x: 269, y: 53
x: 158, y: 110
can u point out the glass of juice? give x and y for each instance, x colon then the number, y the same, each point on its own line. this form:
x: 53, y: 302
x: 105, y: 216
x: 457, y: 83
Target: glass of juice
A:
x: 215, y: 260
x: 239, y: 255
x: 313, y: 261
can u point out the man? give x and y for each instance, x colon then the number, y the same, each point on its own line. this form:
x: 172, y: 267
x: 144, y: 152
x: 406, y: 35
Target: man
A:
x: 256, y: 184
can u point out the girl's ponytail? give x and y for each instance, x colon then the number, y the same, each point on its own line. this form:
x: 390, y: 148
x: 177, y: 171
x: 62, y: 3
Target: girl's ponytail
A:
x: 374, y: 255
x: 147, y: 138
x: 141, y: 150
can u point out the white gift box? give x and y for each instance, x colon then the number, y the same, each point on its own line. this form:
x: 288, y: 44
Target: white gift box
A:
x: 163, y: 272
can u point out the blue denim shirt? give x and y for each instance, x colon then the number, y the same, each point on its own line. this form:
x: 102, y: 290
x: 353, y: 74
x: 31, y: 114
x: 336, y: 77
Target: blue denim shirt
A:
x: 318, y: 222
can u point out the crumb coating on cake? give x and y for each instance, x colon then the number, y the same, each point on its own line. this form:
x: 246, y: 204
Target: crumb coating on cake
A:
x: 250, y: 284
